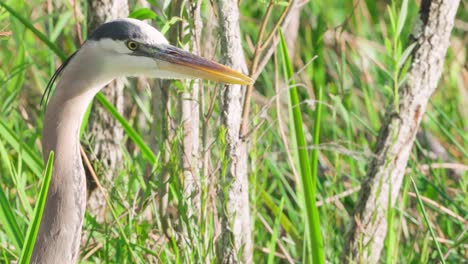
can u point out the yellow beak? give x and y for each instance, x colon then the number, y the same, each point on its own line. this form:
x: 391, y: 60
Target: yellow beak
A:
x: 190, y: 65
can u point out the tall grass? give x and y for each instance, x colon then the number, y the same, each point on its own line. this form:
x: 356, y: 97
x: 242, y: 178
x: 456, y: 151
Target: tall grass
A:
x: 308, y: 167
x: 340, y: 97
x: 33, y: 229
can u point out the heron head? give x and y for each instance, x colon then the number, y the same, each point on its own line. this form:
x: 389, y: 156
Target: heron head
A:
x: 129, y: 47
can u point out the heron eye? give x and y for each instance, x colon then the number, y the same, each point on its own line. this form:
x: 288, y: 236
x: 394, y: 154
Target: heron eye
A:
x: 132, y: 45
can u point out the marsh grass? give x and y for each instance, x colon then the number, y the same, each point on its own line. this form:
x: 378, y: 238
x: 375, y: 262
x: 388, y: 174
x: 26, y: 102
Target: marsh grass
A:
x: 355, y: 52
x: 33, y: 229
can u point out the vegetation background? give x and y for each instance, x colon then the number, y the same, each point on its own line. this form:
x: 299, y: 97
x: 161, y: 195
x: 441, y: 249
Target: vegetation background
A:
x: 340, y: 47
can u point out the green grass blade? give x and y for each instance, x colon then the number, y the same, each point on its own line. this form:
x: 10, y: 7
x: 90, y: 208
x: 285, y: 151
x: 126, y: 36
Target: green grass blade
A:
x: 26, y: 22
x: 33, y: 228
x: 308, y: 177
x: 286, y: 224
x: 426, y: 219
x: 132, y: 134
x: 448, y: 134
x: 32, y: 160
x: 7, y: 218
x: 60, y: 25
x: 274, y: 236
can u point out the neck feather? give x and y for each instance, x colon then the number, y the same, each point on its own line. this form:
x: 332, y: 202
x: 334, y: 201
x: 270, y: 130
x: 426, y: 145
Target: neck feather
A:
x: 60, y: 230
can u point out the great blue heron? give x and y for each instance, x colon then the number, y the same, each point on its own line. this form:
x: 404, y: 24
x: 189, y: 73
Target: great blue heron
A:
x: 124, y: 47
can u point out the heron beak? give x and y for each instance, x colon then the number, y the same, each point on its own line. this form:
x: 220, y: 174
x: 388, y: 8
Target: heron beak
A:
x: 193, y: 66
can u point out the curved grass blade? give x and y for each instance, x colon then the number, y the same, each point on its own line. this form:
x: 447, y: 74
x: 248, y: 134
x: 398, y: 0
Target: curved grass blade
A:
x: 428, y: 222
x: 7, y: 218
x: 33, y: 228
x: 32, y: 161
x: 132, y: 134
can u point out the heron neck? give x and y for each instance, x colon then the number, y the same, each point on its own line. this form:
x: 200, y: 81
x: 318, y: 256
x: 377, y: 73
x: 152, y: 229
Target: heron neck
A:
x: 59, y: 234
x: 62, y: 122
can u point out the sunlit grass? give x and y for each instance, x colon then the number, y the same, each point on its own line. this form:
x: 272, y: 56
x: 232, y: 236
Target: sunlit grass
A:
x: 351, y: 71
x: 308, y: 167
x: 33, y: 229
